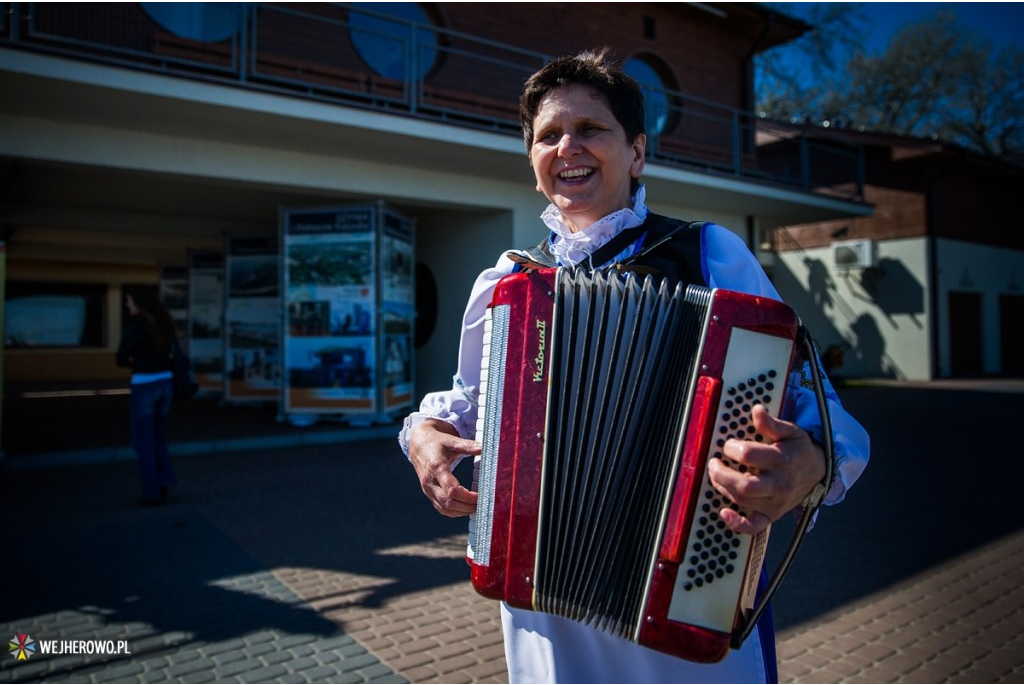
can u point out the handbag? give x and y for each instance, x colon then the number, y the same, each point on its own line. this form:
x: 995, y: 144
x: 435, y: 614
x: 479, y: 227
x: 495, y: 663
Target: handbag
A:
x: 185, y: 384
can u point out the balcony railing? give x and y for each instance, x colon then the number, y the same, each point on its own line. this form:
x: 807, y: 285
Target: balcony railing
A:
x: 359, y: 58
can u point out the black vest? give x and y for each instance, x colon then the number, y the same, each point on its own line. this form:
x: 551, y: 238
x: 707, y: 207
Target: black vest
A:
x: 671, y: 249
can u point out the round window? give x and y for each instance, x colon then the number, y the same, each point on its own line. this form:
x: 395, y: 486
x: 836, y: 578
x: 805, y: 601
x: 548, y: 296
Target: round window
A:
x: 386, y: 42
x: 655, y: 97
x: 209, y: 22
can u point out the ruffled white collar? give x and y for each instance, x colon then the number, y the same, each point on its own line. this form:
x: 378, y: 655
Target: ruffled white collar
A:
x: 572, y: 248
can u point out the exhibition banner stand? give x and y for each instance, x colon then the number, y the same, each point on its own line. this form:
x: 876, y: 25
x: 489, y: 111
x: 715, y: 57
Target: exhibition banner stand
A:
x: 174, y: 296
x: 252, y: 317
x: 206, y: 319
x: 349, y: 308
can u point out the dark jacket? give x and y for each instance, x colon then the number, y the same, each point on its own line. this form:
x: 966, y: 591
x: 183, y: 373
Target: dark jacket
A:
x: 136, y: 351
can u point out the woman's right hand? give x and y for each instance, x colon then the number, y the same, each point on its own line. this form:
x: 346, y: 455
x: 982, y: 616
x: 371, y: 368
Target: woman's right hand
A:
x: 434, y: 446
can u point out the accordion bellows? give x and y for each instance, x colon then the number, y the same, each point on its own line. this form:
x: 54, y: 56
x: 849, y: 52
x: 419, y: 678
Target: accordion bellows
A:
x: 602, y: 397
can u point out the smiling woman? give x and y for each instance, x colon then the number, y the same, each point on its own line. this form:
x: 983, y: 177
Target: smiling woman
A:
x: 583, y: 127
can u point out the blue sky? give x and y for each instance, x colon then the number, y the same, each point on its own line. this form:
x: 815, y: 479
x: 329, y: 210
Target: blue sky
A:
x: 1002, y: 22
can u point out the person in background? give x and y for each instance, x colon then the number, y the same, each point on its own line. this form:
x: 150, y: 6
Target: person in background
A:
x: 146, y: 347
x: 582, y: 121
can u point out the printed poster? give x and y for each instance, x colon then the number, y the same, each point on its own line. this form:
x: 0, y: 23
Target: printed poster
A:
x: 348, y: 300
x: 330, y: 299
x: 252, y: 318
x: 205, y: 320
x: 398, y: 267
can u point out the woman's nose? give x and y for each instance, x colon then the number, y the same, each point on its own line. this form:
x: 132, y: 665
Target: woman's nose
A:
x: 567, y: 146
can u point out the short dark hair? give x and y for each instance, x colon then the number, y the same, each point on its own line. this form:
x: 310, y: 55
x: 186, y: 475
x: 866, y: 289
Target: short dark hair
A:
x: 594, y: 68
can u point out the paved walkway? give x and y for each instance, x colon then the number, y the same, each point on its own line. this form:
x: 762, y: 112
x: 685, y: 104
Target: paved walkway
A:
x: 322, y: 562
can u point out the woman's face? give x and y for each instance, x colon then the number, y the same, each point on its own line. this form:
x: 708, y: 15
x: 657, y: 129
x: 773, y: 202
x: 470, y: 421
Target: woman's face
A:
x: 129, y: 302
x: 581, y: 157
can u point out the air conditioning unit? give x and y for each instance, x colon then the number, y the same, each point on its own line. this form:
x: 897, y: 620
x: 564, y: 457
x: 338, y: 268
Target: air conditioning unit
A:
x: 853, y: 254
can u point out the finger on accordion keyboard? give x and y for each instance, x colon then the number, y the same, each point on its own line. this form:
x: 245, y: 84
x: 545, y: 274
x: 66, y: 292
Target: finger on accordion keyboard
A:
x: 755, y: 522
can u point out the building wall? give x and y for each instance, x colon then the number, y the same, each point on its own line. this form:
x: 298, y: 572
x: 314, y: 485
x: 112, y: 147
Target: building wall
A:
x: 987, y: 272
x: 109, y: 228
x: 702, y: 51
x: 881, y: 313
x: 897, y: 214
x: 118, y: 172
x: 979, y: 203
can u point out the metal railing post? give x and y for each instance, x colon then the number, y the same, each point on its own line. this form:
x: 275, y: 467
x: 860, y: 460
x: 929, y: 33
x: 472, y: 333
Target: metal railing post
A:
x: 242, y: 41
x: 414, y: 76
x: 737, y: 147
x: 15, y: 15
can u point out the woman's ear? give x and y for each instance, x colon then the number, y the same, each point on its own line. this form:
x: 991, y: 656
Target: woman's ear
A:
x: 639, y: 155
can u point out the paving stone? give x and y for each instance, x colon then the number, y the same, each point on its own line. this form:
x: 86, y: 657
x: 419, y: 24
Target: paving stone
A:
x: 243, y: 611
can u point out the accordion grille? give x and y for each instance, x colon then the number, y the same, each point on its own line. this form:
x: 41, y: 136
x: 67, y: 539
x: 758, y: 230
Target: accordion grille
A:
x: 620, y: 378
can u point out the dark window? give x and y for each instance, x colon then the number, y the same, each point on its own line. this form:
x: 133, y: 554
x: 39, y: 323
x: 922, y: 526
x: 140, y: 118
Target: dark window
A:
x: 54, y: 315
x: 649, y: 28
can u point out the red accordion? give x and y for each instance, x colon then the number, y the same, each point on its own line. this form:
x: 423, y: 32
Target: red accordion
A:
x: 602, y: 397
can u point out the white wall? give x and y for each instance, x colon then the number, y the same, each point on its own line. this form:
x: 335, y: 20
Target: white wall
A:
x: 882, y: 313
x: 988, y: 271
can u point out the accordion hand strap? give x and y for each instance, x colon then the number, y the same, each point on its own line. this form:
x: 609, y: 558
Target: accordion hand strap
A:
x: 810, y: 505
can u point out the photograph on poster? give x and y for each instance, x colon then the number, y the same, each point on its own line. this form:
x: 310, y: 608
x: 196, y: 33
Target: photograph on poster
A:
x: 309, y: 318
x: 253, y: 276
x: 334, y: 369
x: 351, y: 317
x: 252, y: 320
x: 333, y: 263
x: 253, y: 358
x: 258, y: 368
x: 396, y: 360
x: 174, y: 293
x: 174, y: 296
x: 205, y: 310
x: 397, y: 274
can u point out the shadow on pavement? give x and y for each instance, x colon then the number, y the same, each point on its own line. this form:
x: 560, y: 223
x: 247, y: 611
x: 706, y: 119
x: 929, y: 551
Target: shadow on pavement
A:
x: 939, y: 484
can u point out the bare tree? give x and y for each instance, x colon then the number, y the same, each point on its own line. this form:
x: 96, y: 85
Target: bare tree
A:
x: 791, y: 80
x: 934, y: 79
x: 989, y: 112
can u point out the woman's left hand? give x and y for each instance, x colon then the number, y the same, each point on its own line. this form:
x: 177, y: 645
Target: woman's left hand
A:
x: 780, y: 472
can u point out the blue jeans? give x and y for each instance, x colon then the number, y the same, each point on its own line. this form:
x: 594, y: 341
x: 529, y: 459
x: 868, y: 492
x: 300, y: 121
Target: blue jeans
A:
x: 151, y: 404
